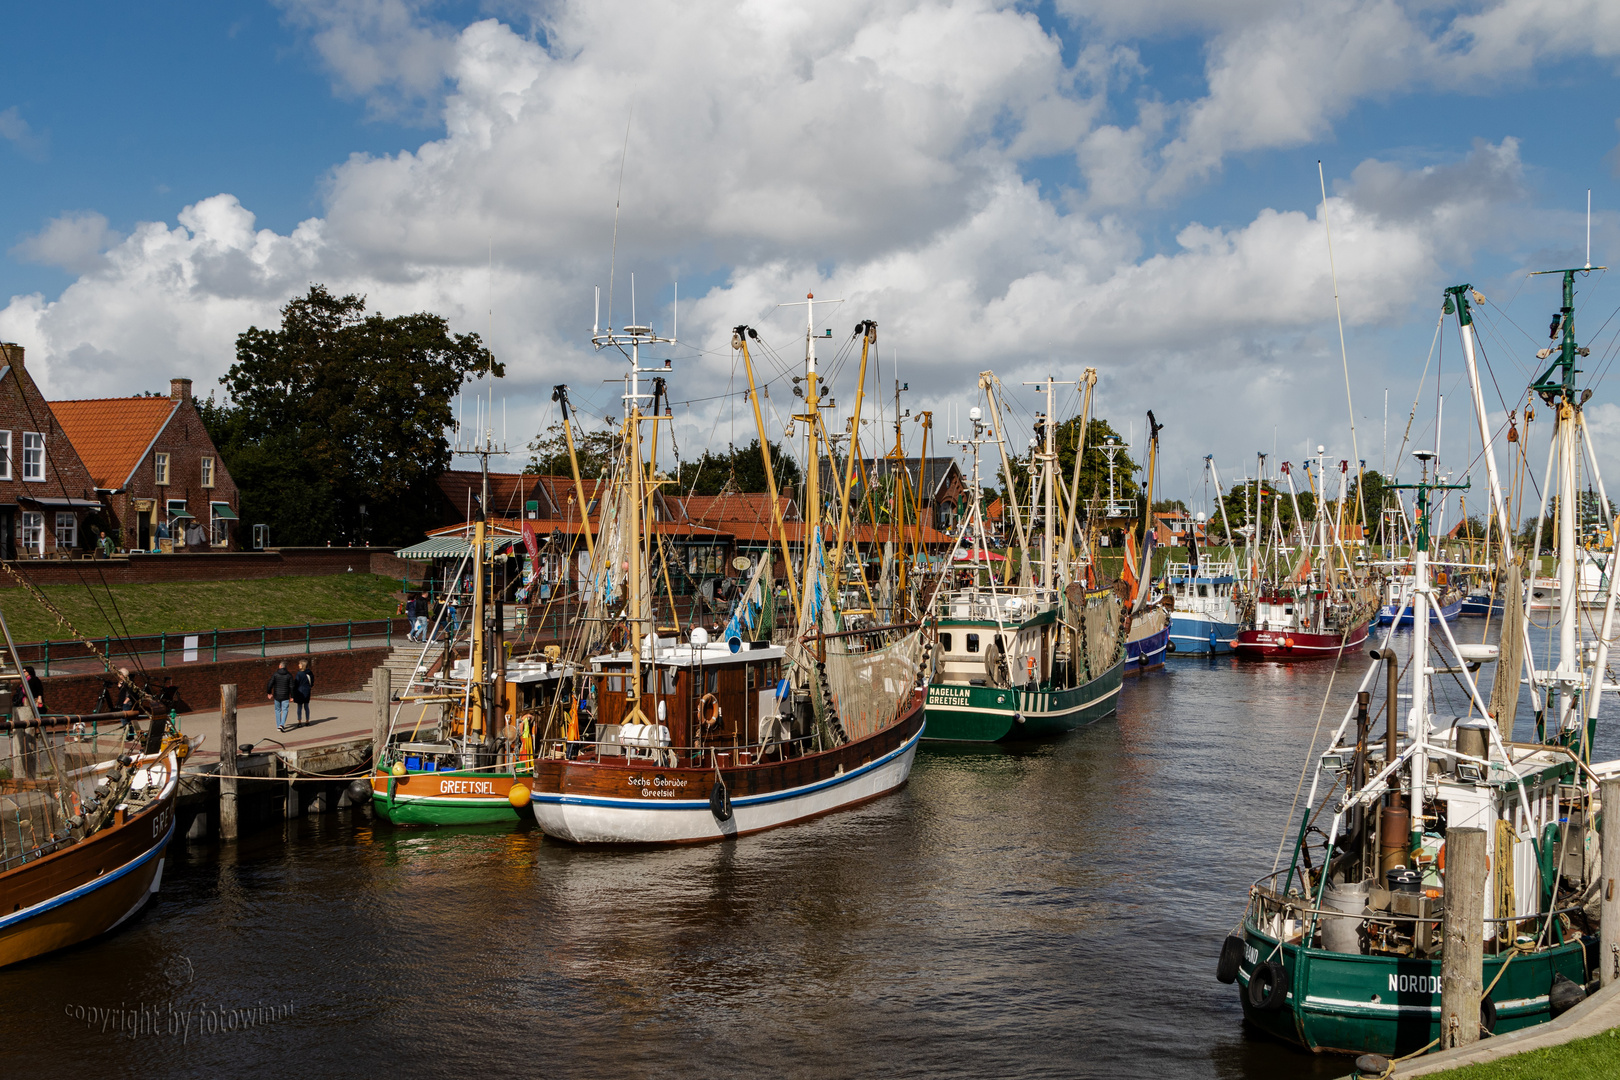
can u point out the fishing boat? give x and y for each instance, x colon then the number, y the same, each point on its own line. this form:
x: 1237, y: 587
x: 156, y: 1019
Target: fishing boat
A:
x: 472, y: 763
x: 1204, y: 621
x: 1447, y: 605
x: 693, y: 741
x: 86, y: 816
x: 1323, y: 607
x: 1033, y: 659
x: 1340, y: 950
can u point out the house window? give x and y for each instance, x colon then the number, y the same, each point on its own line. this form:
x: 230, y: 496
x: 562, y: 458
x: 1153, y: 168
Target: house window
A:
x: 33, y: 456
x: 33, y: 532
x: 207, y: 472
x: 220, y: 517
x: 160, y: 469
x: 5, y: 455
x: 67, y: 530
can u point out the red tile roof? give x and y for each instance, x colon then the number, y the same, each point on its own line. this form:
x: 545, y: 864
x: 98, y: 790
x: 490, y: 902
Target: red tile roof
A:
x: 112, y: 434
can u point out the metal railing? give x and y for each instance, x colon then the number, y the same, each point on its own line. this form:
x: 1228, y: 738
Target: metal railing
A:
x: 198, y: 645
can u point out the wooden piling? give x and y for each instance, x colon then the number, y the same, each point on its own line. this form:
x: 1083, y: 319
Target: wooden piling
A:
x: 381, y: 692
x: 229, y: 823
x: 1462, y: 965
x: 1609, y: 852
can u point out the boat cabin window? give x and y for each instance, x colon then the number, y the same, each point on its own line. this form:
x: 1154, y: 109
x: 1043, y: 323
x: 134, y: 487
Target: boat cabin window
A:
x: 973, y: 643
x: 945, y: 642
x: 669, y: 680
x: 1288, y: 611
x: 712, y: 681
x: 615, y: 684
x: 751, y: 675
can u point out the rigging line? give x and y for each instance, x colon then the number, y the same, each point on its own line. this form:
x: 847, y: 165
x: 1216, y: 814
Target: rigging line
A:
x: 1412, y: 416
x: 61, y: 484
x: 1344, y: 355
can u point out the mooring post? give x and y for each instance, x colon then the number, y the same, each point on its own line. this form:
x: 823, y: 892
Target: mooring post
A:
x: 1462, y: 978
x: 228, y: 824
x: 1609, y: 852
x: 381, y: 691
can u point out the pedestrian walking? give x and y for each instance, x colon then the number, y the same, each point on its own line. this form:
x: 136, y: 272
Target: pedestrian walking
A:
x: 410, y: 617
x: 303, y: 690
x: 280, y: 690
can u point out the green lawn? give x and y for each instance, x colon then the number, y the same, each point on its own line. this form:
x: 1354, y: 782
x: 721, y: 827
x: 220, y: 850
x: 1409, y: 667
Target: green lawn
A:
x: 1596, y: 1058
x: 200, y: 605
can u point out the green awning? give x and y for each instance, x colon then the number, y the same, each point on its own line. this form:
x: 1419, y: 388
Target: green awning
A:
x: 176, y: 515
x: 223, y: 512
x: 450, y: 547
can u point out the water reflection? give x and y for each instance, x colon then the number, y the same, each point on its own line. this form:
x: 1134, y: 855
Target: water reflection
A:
x: 1045, y: 910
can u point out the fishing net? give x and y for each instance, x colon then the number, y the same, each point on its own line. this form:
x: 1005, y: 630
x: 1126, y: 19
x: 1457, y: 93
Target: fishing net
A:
x: 870, y: 684
x: 44, y: 779
x: 1099, y: 617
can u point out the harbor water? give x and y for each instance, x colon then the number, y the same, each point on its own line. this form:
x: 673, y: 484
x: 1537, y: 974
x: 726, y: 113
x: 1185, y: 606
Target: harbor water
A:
x: 1044, y: 911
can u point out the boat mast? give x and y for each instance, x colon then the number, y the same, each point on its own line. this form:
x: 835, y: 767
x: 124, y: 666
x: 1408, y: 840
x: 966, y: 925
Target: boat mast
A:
x: 1557, y: 388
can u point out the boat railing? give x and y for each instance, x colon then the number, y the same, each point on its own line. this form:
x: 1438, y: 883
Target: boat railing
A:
x: 613, y: 750
x: 1266, y: 903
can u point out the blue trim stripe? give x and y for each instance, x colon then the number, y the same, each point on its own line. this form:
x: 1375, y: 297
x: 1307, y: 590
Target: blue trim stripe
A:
x: 88, y: 887
x: 748, y: 800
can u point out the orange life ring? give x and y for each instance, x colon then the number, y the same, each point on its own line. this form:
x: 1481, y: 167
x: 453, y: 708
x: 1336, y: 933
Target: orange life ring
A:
x: 708, y: 710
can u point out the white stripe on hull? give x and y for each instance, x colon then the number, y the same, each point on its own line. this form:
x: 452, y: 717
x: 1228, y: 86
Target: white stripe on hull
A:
x: 595, y: 820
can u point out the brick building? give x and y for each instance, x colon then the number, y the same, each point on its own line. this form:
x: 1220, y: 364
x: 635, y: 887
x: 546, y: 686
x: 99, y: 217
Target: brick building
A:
x: 155, y: 469
x: 45, y: 490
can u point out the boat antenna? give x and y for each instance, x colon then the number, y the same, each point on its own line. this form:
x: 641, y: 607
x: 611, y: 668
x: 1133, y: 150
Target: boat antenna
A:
x: 1344, y: 355
x: 1589, y: 228
x: 617, y: 198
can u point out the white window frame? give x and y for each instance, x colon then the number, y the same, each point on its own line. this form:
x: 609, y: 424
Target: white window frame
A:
x: 219, y: 529
x: 160, y: 469
x: 207, y: 472
x: 5, y: 455
x: 31, y: 537
x: 30, y: 447
x: 67, y: 524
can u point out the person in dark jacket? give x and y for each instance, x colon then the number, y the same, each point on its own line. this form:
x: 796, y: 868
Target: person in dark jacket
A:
x: 411, y: 609
x: 303, y: 690
x: 280, y: 691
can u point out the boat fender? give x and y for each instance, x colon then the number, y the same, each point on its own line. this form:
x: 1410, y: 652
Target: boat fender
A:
x: 1169, y: 646
x: 720, y: 802
x: 1564, y: 995
x: 360, y: 792
x: 1487, y: 1015
x: 1018, y: 718
x: 1288, y: 643
x: 709, y: 711
x: 1226, y: 968
x: 1268, y: 986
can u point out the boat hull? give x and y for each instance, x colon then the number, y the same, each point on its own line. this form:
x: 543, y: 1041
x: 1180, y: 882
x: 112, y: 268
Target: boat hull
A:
x: 79, y: 892
x: 1148, y: 652
x: 988, y: 714
x: 1449, y: 612
x: 639, y: 803
x: 1295, y: 645
x: 1352, y: 1004
x: 1196, y: 634
x: 446, y: 798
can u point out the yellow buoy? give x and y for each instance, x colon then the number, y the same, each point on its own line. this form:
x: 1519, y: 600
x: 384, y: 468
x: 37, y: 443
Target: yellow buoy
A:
x: 518, y: 796
x: 398, y: 769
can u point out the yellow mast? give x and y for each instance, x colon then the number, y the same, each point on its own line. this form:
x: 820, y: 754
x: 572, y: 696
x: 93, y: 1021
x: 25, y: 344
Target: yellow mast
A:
x: 739, y: 340
x: 868, y: 331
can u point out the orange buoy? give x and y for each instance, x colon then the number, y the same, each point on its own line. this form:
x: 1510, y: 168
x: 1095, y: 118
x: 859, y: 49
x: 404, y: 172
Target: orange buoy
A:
x: 518, y: 796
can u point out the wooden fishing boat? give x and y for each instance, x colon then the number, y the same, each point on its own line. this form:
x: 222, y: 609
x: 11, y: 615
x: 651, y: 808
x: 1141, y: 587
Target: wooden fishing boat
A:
x: 95, y: 874
x: 669, y: 741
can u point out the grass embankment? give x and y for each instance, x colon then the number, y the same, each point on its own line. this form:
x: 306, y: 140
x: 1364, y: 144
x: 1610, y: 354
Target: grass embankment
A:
x: 1594, y: 1058
x: 193, y: 606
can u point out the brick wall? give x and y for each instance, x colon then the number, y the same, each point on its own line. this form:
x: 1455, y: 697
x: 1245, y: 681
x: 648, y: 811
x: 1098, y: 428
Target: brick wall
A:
x: 22, y: 410
x: 199, y: 683
x: 186, y: 443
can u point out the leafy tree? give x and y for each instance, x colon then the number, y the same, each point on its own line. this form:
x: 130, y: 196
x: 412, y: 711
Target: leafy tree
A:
x: 1093, y: 467
x: 595, y: 450
x: 1165, y: 506
x: 334, y: 426
x: 741, y: 466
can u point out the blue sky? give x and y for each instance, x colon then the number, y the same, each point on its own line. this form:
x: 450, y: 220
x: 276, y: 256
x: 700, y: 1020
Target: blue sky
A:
x: 1003, y: 186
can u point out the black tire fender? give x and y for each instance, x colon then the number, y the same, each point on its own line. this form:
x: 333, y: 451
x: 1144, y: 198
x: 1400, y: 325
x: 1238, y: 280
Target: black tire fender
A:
x: 1268, y: 986
x: 720, y: 802
x: 1226, y: 968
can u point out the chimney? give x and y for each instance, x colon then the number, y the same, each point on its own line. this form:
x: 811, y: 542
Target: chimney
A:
x: 11, y: 354
x: 179, y: 389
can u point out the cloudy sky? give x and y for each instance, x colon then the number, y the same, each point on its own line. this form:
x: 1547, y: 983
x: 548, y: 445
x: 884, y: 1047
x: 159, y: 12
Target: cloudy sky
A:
x: 1028, y: 188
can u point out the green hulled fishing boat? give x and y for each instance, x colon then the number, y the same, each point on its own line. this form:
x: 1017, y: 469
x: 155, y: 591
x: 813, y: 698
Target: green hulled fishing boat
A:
x: 1342, y: 950
x: 1039, y: 657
